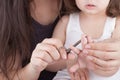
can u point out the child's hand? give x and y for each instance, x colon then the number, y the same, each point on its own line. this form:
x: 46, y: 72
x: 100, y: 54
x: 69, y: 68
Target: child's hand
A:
x: 80, y: 74
x: 82, y: 61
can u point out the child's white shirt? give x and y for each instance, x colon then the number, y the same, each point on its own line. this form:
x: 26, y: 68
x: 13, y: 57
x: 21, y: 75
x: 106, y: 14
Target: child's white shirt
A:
x: 73, y: 34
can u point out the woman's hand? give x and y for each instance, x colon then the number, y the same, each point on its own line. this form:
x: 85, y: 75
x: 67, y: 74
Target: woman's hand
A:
x: 46, y: 52
x: 104, y: 56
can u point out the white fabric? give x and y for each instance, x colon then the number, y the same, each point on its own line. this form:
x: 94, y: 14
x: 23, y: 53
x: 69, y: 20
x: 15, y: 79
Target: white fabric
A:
x: 62, y: 75
x: 74, y: 33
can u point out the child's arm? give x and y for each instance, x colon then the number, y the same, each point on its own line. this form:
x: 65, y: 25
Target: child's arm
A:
x: 116, y: 33
x: 59, y: 33
x: 60, y: 29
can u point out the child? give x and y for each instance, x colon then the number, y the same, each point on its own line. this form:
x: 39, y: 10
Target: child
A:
x: 96, y: 18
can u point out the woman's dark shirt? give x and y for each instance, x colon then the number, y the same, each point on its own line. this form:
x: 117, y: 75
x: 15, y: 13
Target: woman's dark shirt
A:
x: 41, y: 32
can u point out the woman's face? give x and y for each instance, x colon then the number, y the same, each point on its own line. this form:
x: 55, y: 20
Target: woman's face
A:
x: 92, y: 6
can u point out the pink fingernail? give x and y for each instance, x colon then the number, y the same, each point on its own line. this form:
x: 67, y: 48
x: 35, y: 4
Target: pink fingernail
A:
x: 89, y: 57
x: 88, y: 46
x: 72, y: 70
x: 85, y: 51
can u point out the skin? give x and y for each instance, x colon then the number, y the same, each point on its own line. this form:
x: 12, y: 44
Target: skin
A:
x: 88, y: 16
x: 108, y: 61
x: 105, y: 63
x: 99, y: 6
x: 104, y: 55
x: 46, y: 52
x: 61, y: 28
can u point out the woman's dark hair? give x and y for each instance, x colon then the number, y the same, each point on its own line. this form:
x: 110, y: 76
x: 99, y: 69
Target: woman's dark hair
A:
x: 14, y: 32
x: 113, y: 9
x: 62, y: 9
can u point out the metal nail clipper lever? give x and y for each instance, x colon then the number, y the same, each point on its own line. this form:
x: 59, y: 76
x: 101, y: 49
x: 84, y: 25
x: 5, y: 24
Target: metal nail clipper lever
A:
x: 68, y: 50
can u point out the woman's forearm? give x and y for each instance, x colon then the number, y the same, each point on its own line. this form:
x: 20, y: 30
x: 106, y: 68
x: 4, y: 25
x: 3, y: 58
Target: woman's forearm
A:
x: 58, y: 65
x: 26, y: 73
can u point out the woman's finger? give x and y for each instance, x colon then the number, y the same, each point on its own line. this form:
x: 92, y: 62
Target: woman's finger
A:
x: 52, y: 41
x: 104, y: 46
x: 58, y: 45
x: 42, y: 55
x: 105, y: 55
x: 50, y: 49
x: 104, y: 65
x: 105, y: 73
x: 62, y: 52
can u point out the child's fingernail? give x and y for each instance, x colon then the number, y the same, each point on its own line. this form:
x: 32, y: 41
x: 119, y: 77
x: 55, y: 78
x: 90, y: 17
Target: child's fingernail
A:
x: 72, y: 70
x: 89, y: 57
x: 85, y: 51
x: 87, y: 46
x: 85, y: 41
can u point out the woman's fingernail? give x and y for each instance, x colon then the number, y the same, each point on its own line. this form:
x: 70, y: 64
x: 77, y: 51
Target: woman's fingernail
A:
x: 87, y: 46
x: 64, y: 57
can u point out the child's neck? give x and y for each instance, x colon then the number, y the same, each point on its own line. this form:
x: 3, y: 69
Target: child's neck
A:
x: 92, y: 25
x: 93, y: 16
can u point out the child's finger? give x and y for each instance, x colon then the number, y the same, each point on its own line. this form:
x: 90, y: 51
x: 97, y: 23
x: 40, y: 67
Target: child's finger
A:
x: 75, y: 50
x: 89, y: 39
x: 86, y: 74
x: 84, y: 41
x: 74, y: 68
x: 72, y: 60
x: 77, y: 76
x: 72, y: 75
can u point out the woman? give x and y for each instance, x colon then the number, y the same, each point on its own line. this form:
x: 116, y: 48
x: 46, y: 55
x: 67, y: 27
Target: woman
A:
x: 23, y: 25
